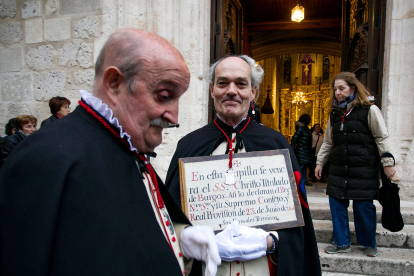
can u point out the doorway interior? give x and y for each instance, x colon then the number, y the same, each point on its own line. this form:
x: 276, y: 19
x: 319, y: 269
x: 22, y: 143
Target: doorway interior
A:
x: 300, y: 59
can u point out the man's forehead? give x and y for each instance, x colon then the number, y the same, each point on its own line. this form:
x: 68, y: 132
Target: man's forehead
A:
x: 218, y: 78
x: 233, y: 66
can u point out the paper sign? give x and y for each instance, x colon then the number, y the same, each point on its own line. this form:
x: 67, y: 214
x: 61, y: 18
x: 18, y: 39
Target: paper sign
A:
x: 264, y: 193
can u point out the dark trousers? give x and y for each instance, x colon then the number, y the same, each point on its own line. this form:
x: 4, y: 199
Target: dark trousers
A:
x: 312, y: 167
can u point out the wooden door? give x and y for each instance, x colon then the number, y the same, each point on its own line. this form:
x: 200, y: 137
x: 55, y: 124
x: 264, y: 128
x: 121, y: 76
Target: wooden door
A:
x: 363, y: 33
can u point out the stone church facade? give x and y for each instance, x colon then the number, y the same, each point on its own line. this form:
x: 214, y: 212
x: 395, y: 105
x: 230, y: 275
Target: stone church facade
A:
x: 48, y: 48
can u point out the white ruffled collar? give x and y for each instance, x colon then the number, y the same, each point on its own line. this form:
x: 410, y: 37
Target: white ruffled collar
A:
x: 107, y: 113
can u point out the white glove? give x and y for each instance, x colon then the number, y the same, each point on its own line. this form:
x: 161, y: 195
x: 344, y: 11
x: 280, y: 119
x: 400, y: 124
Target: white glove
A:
x: 198, y: 242
x: 240, y: 243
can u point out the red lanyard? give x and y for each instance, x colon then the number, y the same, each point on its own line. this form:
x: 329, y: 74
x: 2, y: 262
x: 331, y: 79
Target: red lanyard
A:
x: 156, y: 190
x: 230, y: 142
x: 346, y: 113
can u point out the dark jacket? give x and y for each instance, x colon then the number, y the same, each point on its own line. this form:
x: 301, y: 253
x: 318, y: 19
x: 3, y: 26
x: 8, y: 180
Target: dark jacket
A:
x: 49, y: 120
x: 9, y: 143
x: 302, y: 144
x: 354, y: 160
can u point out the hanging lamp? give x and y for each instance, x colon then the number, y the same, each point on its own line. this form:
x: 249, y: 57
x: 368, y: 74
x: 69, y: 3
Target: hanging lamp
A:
x: 267, y: 107
x: 298, y: 13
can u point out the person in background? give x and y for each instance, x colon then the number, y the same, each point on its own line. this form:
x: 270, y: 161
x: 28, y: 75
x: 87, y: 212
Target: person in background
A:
x: 25, y: 125
x: 302, y: 145
x: 59, y: 107
x: 9, y: 130
x: 317, y: 140
x: 355, y: 139
x: 10, y: 127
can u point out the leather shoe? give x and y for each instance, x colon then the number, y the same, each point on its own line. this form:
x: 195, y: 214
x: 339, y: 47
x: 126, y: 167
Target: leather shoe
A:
x: 308, y: 184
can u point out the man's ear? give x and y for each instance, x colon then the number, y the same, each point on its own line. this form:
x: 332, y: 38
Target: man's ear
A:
x: 211, y: 90
x: 254, y: 91
x: 112, y: 80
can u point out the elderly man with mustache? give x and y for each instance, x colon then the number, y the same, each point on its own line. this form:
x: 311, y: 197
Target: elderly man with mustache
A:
x: 234, y: 83
x: 88, y: 202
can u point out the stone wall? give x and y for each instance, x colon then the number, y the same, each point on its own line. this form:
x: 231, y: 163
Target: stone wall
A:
x: 398, y: 90
x: 48, y: 48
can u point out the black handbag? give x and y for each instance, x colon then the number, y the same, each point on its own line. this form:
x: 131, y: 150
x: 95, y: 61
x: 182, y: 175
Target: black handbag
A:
x: 389, y: 198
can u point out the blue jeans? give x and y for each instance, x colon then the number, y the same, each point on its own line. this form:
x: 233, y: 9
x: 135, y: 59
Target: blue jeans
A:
x: 303, y: 171
x: 365, y: 220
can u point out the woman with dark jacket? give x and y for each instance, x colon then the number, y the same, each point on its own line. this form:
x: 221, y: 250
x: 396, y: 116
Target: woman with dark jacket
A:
x: 302, y: 145
x: 25, y: 125
x: 59, y: 107
x: 355, y: 138
x: 10, y: 127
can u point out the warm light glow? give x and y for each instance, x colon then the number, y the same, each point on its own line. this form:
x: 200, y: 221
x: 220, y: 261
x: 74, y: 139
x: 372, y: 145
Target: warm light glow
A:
x: 298, y: 13
x: 256, y: 65
x: 299, y: 98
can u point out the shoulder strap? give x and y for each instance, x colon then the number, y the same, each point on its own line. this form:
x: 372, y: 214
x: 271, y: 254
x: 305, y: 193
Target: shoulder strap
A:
x: 317, y: 141
x: 331, y: 118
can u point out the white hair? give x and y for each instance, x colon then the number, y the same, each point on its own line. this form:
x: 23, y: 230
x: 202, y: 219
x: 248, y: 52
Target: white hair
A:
x: 256, y: 70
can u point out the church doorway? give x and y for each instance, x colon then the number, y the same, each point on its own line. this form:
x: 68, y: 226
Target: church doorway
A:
x: 300, y: 59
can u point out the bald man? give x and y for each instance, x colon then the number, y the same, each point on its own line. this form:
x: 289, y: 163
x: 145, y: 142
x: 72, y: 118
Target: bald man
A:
x: 81, y: 198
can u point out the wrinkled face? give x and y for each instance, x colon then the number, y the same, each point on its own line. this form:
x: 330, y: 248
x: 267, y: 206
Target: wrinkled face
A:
x: 157, y: 90
x: 29, y: 128
x: 64, y: 110
x: 317, y: 129
x: 342, y: 90
x: 232, y: 90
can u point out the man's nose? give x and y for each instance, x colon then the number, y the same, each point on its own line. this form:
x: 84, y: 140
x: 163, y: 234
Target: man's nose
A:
x: 232, y: 88
x: 171, y: 113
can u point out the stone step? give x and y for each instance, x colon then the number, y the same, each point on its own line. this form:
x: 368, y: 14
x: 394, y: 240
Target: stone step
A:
x: 385, y: 238
x: 321, y: 211
x: 326, y: 273
x: 389, y: 261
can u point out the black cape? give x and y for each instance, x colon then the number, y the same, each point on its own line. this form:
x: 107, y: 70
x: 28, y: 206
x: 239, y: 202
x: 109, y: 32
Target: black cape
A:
x: 72, y: 202
x: 298, y: 251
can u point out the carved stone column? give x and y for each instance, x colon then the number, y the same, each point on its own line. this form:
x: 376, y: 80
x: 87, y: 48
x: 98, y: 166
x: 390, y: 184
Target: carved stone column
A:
x: 317, y: 109
x: 186, y: 24
x: 284, y: 104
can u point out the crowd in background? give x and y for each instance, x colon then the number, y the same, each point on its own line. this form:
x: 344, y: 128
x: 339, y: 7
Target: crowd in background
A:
x: 17, y: 129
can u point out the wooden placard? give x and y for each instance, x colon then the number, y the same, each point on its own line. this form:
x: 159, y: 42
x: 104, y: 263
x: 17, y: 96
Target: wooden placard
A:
x: 264, y: 195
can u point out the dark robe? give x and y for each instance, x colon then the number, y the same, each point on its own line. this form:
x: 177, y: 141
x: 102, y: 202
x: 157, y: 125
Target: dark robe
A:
x: 298, y: 251
x: 72, y: 202
x: 49, y: 120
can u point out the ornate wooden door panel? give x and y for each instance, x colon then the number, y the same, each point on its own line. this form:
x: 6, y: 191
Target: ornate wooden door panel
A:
x: 363, y: 26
